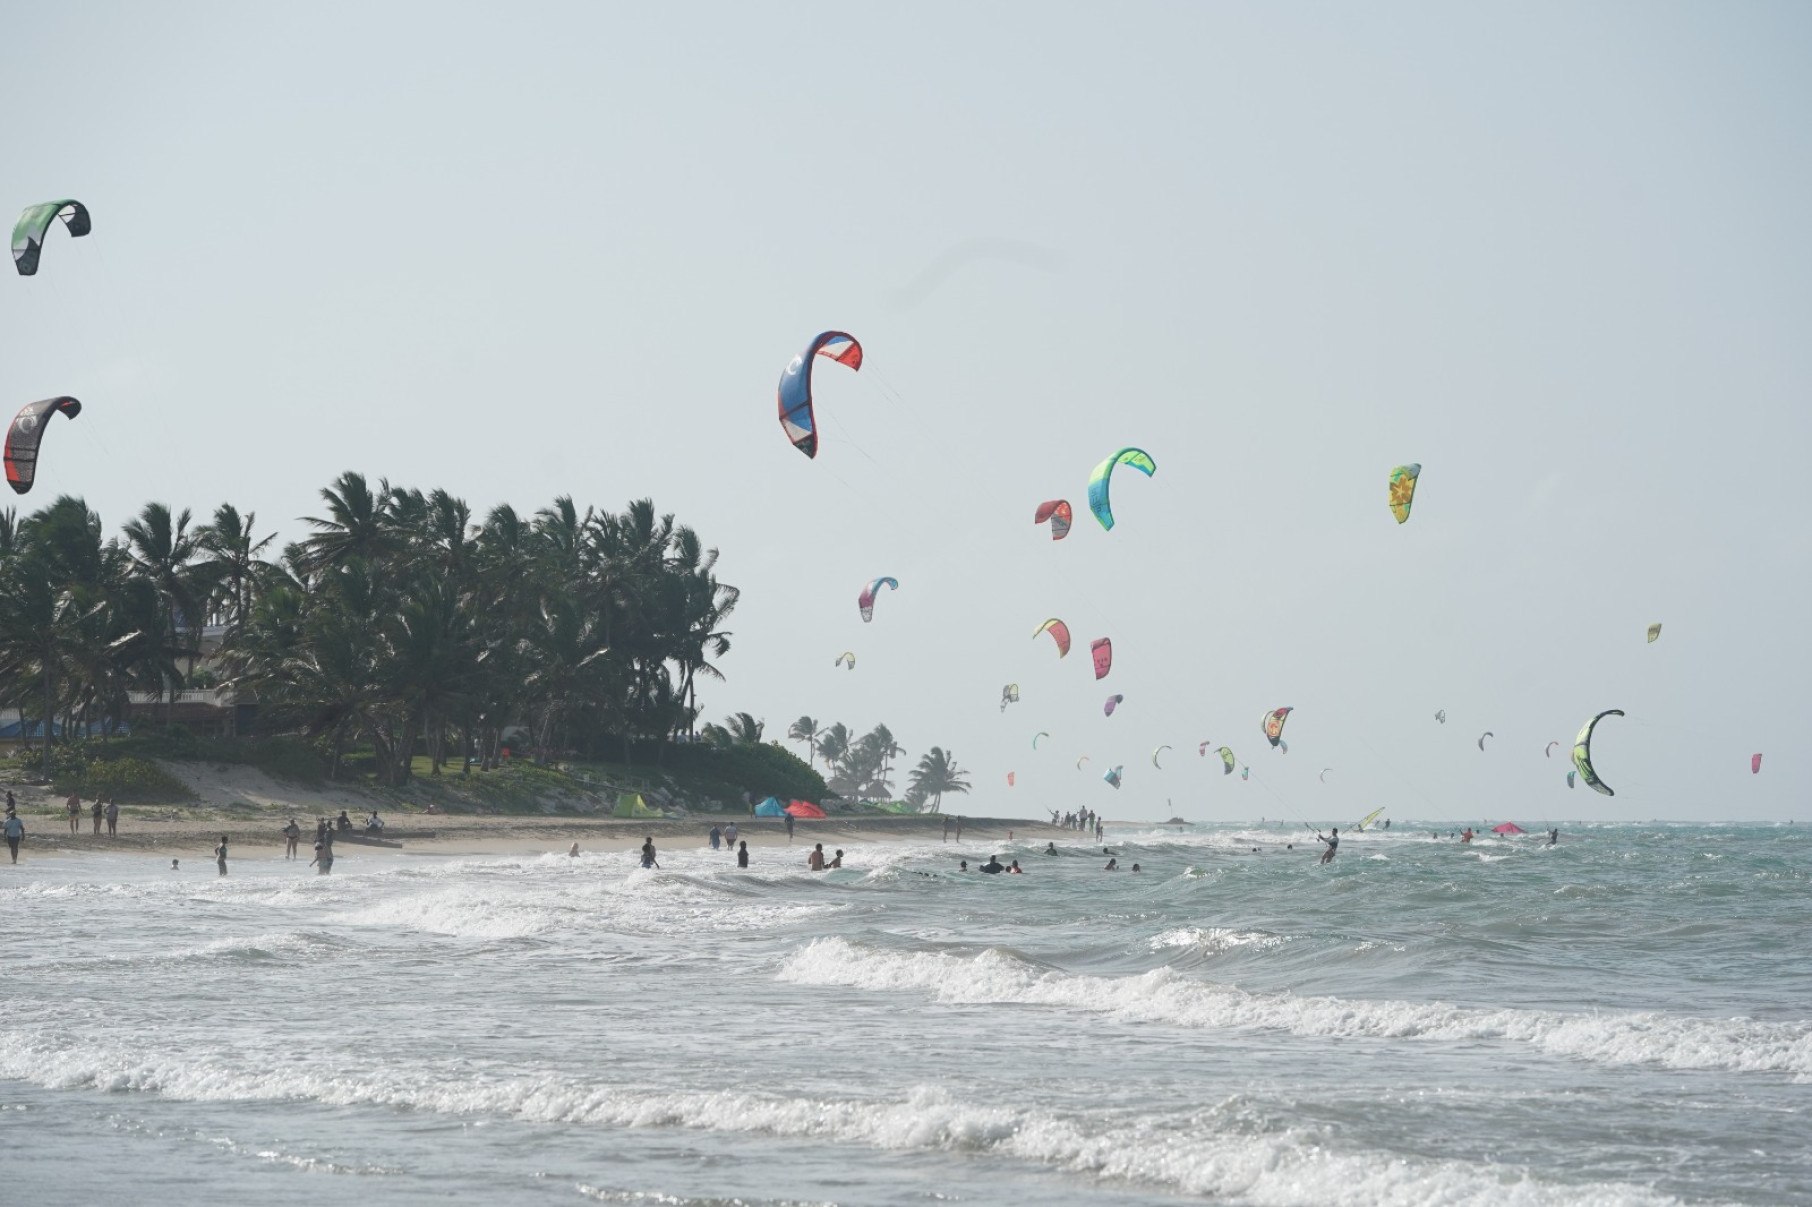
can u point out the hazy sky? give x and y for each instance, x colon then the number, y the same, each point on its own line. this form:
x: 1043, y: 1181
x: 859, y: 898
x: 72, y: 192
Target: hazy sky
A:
x: 1558, y: 254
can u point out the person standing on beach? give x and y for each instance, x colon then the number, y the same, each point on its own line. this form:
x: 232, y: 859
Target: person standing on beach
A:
x: 220, y: 855
x: 292, y: 838
x: 98, y: 812
x: 73, y: 806
x: 113, y: 818
x: 742, y: 854
x: 13, y: 829
x: 789, y: 827
x: 648, y: 859
x: 717, y: 837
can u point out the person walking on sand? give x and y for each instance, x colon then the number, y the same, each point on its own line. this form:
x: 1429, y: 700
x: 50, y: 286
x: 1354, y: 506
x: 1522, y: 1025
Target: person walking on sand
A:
x: 742, y: 854
x: 13, y: 829
x: 648, y: 859
x: 1327, y: 856
x: 789, y: 828
x: 113, y: 818
x: 292, y: 838
x: 73, y: 806
x: 98, y: 812
x: 220, y: 855
x: 815, y: 860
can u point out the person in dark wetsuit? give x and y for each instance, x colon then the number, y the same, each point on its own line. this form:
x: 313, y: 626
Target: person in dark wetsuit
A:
x: 1333, y: 842
x: 220, y: 854
x: 742, y: 854
x: 1050, y: 848
x: 648, y: 860
x: 993, y: 866
x: 1554, y: 836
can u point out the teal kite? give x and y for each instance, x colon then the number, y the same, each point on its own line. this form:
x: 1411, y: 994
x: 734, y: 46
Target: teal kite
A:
x: 1098, y: 503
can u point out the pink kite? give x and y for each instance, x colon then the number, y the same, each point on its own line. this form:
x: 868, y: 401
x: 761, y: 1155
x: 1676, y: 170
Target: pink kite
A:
x: 804, y: 809
x: 1009, y: 779
x: 1508, y: 827
x: 1103, y: 652
x: 1755, y: 763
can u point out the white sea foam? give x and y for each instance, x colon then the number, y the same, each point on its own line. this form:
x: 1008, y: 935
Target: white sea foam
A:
x: 1165, y: 996
x: 1193, y: 1153
x: 1215, y: 939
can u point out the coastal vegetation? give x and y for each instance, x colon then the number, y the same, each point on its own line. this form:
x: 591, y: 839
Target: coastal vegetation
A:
x: 401, y: 638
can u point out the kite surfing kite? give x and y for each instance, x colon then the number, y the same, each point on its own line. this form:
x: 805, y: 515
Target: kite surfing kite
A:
x: 1113, y: 702
x: 1245, y: 773
x: 1755, y: 764
x: 1112, y: 774
x: 1483, y: 736
x: 1009, y: 779
x: 1441, y: 715
x: 866, y: 600
x: 1040, y: 734
x: 796, y: 417
x: 848, y: 656
x: 1654, y: 631
x: 1154, y: 757
x: 34, y: 224
x: 1060, y: 633
x: 1227, y: 760
x: 1570, y: 776
x: 1103, y: 653
x: 1403, y: 490
x: 1323, y: 777
x: 1508, y: 827
x: 1081, y: 761
x: 1273, y: 724
x: 1058, y: 512
x: 1549, y: 752
x: 1582, y: 753
x: 1137, y: 458
x: 1202, y: 750
x: 26, y: 433
x: 1009, y: 695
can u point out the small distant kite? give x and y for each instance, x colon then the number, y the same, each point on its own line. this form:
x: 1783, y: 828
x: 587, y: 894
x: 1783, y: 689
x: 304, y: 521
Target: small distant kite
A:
x: 1483, y: 736
x: 1324, y: 774
x: 1009, y: 695
x: 1654, y: 631
x: 1113, y: 702
x: 1136, y: 458
x: 1081, y: 761
x: 1060, y: 633
x: 866, y: 600
x: 1549, y: 752
x: 1154, y: 757
x: 1755, y: 764
x: 1058, y: 512
x: 34, y: 224
x: 847, y: 656
x: 1570, y: 776
x: 1009, y: 779
x: 797, y: 418
x: 1273, y: 723
x: 1245, y: 773
x: 1403, y: 490
x: 1582, y: 752
x: 1102, y: 651
x: 1040, y: 734
x: 1441, y: 716
x: 26, y: 433
x: 1202, y: 750
x: 1112, y: 774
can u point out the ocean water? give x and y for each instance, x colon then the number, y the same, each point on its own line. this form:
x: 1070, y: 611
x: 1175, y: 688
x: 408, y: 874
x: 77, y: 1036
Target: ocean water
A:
x: 1625, y: 1018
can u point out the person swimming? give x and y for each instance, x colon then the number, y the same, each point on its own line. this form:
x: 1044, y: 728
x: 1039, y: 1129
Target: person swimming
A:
x: 1050, y: 848
x: 1137, y: 868
x: 1113, y: 865
x: 1016, y: 869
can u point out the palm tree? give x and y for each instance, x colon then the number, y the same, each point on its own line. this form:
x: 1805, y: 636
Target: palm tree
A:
x: 833, y: 744
x: 805, y: 730
x: 232, y: 564
x: 936, y: 774
x: 162, y: 550
x: 356, y: 524
x: 745, y: 728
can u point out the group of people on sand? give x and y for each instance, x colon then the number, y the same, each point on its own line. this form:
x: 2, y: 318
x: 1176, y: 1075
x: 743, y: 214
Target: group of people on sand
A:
x: 102, y: 810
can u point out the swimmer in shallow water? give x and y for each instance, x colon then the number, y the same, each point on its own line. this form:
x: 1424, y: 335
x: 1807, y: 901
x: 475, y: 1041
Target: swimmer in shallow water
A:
x: 1113, y: 865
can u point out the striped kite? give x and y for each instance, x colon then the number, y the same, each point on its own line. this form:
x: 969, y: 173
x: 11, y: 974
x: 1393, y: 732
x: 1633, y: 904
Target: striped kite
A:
x: 797, y: 419
x: 1058, y: 512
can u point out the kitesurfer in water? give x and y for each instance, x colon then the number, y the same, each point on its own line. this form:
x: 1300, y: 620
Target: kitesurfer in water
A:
x: 1333, y: 842
x: 1466, y: 835
x: 648, y: 860
x: 1554, y: 836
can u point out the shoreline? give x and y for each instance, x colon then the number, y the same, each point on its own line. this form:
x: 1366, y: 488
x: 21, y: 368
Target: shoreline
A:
x: 463, y: 834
